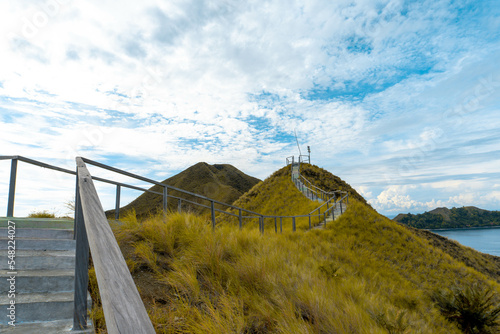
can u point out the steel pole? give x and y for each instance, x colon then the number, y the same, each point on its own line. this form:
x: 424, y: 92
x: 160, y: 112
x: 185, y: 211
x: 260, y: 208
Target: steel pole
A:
x: 12, y: 188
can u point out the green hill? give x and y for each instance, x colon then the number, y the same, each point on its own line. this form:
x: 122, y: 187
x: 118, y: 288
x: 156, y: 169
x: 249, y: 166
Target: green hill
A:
x: 363, y: 273
x: 464, y: 217
x: 220, y: 182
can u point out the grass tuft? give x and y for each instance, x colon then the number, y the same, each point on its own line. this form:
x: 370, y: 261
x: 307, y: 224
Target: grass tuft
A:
x: 41, y: 214
x: 362, y: 274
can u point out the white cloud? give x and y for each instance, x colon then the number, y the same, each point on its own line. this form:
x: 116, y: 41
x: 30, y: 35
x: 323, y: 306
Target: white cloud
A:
x: 412, y: 88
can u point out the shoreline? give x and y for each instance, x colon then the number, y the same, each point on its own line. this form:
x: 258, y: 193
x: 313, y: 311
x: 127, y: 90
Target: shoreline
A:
x: 462, y: 228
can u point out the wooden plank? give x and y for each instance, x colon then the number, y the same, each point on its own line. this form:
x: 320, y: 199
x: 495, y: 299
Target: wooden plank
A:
x: 122, y: 305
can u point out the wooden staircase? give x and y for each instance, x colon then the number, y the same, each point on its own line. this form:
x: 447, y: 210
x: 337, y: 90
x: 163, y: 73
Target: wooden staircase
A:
x: 42, y: 275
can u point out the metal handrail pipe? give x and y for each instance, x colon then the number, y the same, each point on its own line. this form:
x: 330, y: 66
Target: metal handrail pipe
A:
x: 327, y: 202
x: 145, y: 179
x: 319, y: 189
x: 8, y: 157
x: 37, y: 163
x: 67, y: 171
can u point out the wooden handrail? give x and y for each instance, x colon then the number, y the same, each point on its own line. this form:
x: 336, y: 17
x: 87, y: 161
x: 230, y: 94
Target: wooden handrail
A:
x: 123, y: 309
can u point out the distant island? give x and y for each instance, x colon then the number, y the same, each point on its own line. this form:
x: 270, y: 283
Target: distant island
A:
x: 444, y: 218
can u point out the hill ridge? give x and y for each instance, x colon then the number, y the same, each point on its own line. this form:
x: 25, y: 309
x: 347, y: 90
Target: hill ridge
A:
x: 221, y: 182
x: 442, y: 217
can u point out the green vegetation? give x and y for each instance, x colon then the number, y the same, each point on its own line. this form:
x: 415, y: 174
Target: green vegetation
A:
x: 473, y: 308
x: 451, y: 218
x: 41, y: 214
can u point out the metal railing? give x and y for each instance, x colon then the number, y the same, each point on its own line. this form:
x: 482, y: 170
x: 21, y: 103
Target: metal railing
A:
x: 313, y: 192
x: 90, y: 217
x: 165, y: 193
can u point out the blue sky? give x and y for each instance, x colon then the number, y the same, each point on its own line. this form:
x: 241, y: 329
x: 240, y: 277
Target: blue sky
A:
x: 400, y: 99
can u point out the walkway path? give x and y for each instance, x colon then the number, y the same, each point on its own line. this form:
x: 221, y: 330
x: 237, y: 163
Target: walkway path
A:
x: 340, y: 207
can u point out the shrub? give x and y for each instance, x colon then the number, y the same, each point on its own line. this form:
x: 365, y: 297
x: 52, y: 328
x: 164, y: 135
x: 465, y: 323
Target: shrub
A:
x: 473, y: 308
x: 41, y: 214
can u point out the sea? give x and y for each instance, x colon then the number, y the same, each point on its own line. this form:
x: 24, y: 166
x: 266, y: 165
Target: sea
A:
x: 484, y: 240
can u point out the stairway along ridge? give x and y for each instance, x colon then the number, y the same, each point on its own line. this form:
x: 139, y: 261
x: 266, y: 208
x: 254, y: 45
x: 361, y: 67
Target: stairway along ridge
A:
x: 37, y: 272
x: 334, y: 207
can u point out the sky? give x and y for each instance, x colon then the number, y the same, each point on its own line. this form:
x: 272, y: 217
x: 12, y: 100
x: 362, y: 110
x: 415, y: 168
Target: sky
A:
x: 401, y: 99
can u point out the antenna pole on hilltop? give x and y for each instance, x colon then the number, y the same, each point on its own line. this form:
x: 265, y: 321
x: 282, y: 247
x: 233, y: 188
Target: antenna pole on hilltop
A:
x: 300, y: 153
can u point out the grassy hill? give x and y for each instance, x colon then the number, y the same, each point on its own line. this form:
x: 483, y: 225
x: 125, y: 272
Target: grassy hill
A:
x: 329, y: 182
x: 363, y: 273
x: 221, y: 182
x: 278, y: 196
x: 464, y: 217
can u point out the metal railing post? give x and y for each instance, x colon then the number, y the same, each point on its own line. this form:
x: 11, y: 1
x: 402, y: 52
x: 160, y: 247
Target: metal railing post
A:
x: 81, y: 267
x: 179, y: 205
x: 293, y: 223
x: 12, y: 188
x: 117, y: 205
x: 341, y: 212
x: 240, y: 218
x: 275, y: 225
x: 165, y: 199
x: 310, y: 221
x: 281, y: 224
x: 262, y: 224
x: 77, y: 198
x: 212, y: 209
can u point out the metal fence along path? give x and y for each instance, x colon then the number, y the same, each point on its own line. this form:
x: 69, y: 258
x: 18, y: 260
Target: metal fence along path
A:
x: 123, y: 309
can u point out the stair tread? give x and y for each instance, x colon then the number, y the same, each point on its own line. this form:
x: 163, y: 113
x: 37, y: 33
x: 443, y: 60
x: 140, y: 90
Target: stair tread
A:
x: 41, y: 273
x: 39, y: 297
x: 46, y: 327
x: 46, y: 233
x: 47, y: 223
x: 33, y: 238
x: 30, y: 253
